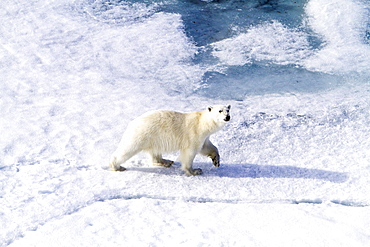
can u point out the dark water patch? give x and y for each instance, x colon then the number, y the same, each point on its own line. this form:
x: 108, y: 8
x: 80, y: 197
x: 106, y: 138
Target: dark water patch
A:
x: 237, y: 82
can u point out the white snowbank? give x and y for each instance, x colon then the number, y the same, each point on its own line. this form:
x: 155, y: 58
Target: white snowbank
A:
x: 343, y: 26
x: 266, y: 42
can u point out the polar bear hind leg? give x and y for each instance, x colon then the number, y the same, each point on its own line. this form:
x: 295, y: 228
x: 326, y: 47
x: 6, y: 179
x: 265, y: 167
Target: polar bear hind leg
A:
x: 159, y: 161
x: 119, y: 157
x: 186, y: 158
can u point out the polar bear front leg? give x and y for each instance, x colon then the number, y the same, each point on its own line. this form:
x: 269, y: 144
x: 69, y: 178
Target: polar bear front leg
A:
x: 211, y: 151
x: 186, y: 159
x: 159, y: 161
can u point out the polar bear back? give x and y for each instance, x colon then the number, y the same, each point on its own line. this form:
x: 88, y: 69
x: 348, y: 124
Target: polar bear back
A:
x: 166, y: 131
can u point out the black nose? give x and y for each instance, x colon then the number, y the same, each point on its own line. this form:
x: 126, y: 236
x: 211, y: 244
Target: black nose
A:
x: 227, y: 118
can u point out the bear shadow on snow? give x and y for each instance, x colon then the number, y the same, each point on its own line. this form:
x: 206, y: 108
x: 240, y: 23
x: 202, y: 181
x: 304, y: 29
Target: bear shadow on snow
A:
x: 270, y: 171
x: 252, y: 171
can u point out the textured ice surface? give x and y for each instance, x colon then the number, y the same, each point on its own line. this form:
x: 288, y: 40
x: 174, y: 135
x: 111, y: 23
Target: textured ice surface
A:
x: 294, y: 158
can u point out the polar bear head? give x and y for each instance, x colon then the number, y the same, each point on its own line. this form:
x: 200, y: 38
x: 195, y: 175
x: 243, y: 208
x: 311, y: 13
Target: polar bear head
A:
x: 220, y: 113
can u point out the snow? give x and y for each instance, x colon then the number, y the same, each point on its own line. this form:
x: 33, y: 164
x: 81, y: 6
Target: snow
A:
x: 346, y: 24
x: 269, y: 41
x: 295, y: 161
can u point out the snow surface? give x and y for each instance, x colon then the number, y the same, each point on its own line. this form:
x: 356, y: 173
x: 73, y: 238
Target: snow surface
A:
x: 295, y: 159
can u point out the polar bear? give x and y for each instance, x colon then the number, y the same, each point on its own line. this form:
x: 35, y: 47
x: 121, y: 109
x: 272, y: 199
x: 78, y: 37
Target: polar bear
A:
x: 159, y: 132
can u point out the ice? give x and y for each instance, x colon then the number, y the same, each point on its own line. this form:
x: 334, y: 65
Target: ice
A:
x: 268, y: 41
x: 332, y: 40
x: 116, y: 12
x: 343, y: 26
x: 180, y: 224
x: 294, y: 157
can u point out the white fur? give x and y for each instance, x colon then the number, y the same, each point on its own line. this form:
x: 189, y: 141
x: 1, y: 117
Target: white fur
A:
x: 160, y: 132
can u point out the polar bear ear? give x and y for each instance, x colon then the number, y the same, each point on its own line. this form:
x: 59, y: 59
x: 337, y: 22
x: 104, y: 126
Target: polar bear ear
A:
x: 228, y: 107
x: 210, y: 108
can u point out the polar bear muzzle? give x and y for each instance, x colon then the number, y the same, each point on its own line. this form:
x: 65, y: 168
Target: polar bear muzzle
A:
x: 227, y: 118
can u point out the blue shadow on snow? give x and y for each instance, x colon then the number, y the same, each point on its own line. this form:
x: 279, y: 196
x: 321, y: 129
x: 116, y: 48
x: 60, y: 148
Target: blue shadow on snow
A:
x: 250, y: 171
x: 270, y: 171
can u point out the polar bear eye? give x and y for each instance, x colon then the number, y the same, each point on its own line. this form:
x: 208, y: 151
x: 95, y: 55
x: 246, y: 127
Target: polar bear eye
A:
x: 220, y: 111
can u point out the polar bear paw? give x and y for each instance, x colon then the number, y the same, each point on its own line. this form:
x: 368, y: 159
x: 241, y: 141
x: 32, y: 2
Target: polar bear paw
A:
x: 194, y: 172
x: 164, y: 163
x: 216, y: 161
x: 119, y: 169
